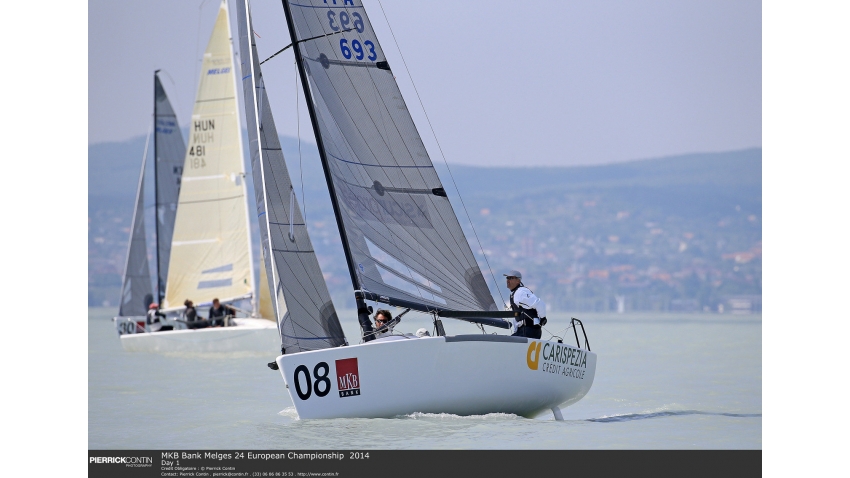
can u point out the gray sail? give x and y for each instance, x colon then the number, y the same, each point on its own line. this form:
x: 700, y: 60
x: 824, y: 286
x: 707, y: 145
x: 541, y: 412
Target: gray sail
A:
x: 136, y: 292
x: 170, y: 151
x: 404, y: 238
x: 303, y: 307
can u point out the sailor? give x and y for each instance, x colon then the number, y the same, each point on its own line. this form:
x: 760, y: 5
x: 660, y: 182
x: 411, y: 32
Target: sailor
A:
x: 383, y: 323
x: 191, y: 316
x: 218, y: 312
x: 153, y: 319
x: 529, y: 310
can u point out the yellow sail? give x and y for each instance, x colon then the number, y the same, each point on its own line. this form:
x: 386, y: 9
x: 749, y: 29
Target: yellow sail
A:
x: 266, y: 308
x: 210, y: 249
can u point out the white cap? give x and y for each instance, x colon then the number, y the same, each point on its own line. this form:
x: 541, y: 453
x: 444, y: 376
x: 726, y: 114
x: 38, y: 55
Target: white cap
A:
x: 516, y: 274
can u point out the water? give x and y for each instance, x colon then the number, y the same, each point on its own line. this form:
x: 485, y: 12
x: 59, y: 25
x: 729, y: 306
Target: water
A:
x: 663, y: 381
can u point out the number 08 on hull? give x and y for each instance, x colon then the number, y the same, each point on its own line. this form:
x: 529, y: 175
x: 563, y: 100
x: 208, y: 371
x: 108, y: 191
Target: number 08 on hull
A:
x: 461, y: 375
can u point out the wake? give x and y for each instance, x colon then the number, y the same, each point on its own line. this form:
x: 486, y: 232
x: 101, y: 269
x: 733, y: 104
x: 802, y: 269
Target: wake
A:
x: 669, y: 413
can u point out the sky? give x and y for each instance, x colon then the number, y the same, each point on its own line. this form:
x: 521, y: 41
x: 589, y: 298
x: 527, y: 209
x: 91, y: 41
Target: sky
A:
x: 551, y: 83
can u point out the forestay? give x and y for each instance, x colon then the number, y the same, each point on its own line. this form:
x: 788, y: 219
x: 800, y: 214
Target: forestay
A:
x: 306, y: 315
x: 211, y: 255
x: 404, y: 238
x: 136, y: 285
x: 170, y: 152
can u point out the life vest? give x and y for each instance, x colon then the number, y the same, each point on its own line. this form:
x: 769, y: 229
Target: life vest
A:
x: 523, y: 315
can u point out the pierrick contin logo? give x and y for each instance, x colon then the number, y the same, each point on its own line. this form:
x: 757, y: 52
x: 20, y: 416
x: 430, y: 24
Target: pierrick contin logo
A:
x: 137, y: 461
x: 347, y: 377
x: 533, y: 356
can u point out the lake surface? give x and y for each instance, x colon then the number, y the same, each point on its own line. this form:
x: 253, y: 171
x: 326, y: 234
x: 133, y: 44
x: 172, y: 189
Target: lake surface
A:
x: 663, y: 381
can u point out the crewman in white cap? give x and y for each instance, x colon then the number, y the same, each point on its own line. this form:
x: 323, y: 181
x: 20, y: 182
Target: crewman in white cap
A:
x: 529, y: 310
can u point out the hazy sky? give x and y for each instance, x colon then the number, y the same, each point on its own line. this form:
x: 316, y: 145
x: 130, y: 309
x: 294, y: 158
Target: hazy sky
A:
x: 523, y: 83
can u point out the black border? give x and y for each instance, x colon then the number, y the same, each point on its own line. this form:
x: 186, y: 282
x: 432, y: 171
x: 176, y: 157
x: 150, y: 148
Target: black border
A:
x: 431, y: 463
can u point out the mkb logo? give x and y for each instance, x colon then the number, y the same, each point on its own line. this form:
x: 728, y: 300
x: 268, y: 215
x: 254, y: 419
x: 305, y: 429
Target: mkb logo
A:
x: 533, y: 356
x: 347, y: 377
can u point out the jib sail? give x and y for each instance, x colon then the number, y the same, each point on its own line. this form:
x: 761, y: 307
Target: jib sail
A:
x: 302, y: 303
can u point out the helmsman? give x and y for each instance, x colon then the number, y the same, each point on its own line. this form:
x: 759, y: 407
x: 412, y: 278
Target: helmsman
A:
x: 529, y: 310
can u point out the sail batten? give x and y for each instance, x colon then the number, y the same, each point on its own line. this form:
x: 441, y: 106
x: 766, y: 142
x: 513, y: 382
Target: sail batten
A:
x: 306, y: 315
x: 211, y: 226
x: 386, y: 189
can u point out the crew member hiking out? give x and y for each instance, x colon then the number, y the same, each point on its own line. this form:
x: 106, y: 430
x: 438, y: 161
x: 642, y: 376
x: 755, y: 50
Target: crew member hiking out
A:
x: 529, y: 310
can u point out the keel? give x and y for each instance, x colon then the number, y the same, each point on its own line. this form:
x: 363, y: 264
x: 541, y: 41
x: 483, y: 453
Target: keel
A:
x: 557, y: 412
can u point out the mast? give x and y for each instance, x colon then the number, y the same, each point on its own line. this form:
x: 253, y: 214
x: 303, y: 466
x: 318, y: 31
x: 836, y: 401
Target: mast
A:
x: 159, y: 292
x: 308, y: 96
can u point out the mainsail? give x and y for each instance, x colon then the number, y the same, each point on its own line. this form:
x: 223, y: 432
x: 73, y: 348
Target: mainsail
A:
x: 211, y: 244
x: 170, y: 152
x: 402, y: 236
x: 302, y: 303
x: 136, y: 291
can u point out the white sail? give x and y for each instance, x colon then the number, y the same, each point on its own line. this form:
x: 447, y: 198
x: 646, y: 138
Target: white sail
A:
x: 211, y: 245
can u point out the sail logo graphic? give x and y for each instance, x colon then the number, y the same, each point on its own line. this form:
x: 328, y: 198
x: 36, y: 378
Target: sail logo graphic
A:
x: 347, y: 377
x: 533, y: 350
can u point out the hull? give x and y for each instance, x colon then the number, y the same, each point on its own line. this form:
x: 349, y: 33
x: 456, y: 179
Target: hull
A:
x: 248, y: 336
x: 462, y: 375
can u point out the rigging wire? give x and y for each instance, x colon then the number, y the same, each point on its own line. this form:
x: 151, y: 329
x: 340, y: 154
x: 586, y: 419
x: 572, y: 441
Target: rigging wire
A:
x: 440, y: 148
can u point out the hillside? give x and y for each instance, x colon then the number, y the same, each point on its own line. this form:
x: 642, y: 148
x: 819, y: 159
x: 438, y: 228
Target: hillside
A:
x: 680, y: 232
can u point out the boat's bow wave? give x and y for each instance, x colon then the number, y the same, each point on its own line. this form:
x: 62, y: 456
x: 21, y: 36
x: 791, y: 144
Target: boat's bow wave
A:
x: 289, y: 412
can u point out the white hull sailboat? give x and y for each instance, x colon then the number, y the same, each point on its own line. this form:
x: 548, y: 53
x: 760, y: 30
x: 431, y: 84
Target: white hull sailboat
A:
x: 169, y: 153
x: 461, y: 375
x: 210, y: 249
x: 403, y: 246
x: 247, y: 335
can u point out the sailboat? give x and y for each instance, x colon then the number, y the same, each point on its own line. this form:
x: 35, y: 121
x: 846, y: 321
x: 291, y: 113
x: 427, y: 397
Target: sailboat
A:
x: 210, y: 246
x: 403, y: 246
x: 169, y: 150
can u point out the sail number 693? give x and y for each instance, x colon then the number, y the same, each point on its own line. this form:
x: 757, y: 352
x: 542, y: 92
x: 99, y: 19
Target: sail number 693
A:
x: 358, y: 49
x: 321, y: 385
